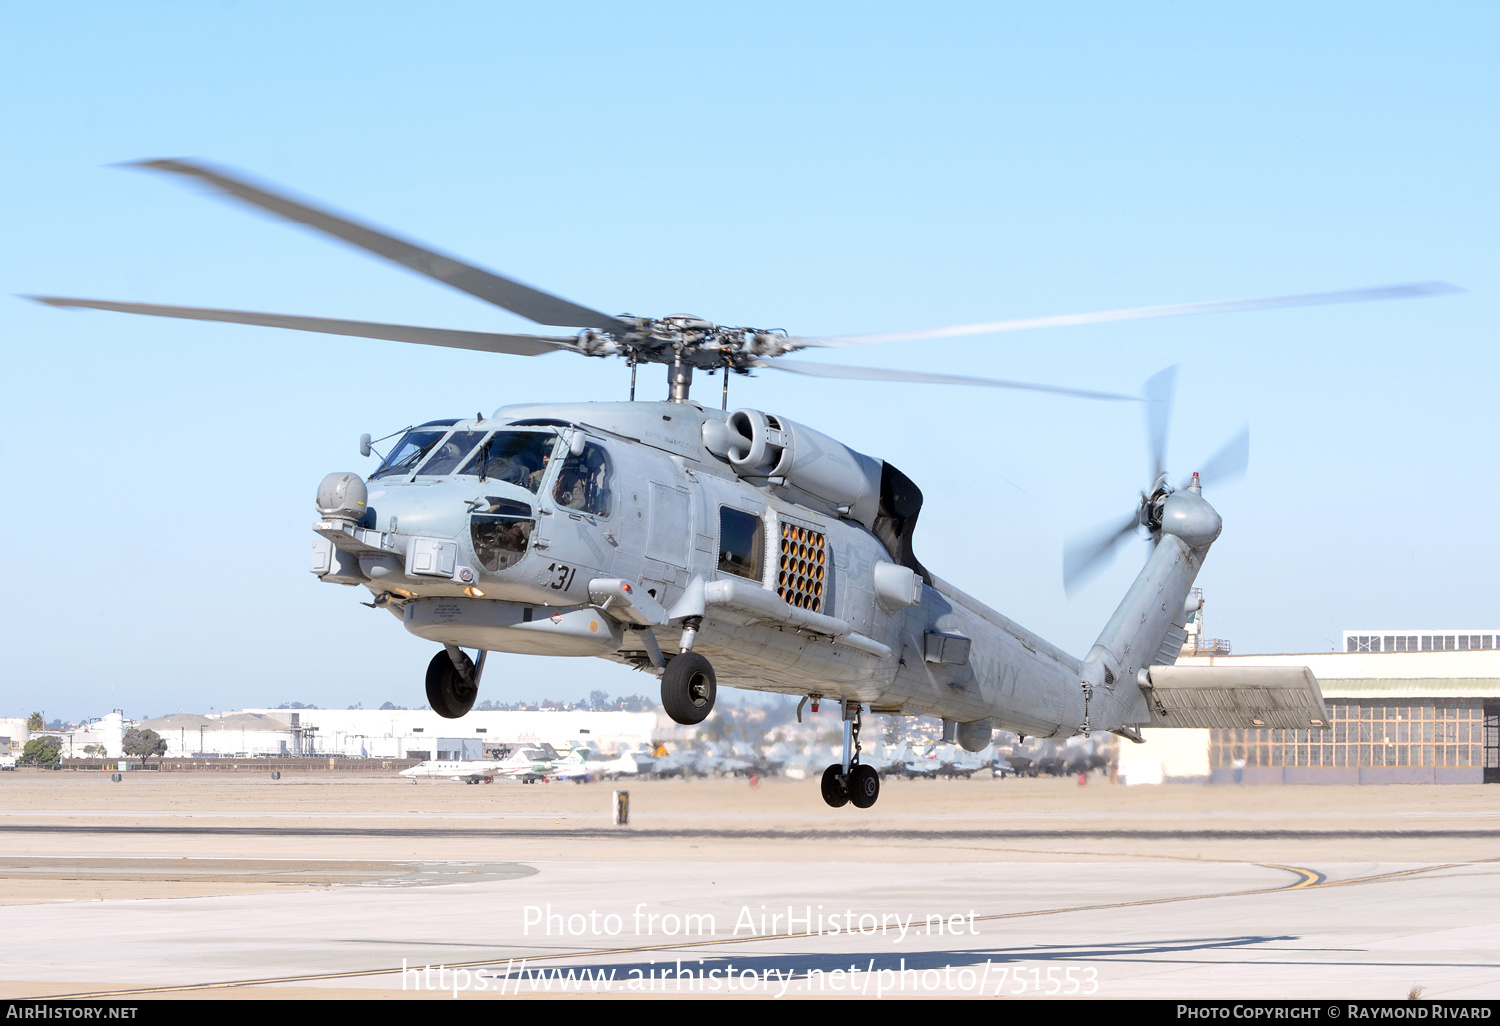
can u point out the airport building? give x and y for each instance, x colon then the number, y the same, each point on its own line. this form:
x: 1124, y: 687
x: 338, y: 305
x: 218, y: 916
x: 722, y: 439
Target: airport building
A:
x: 1405, y: 707
x: 106, y: 734
x: 14, y: 733
x: 103, y: 733
x: 395, y: 733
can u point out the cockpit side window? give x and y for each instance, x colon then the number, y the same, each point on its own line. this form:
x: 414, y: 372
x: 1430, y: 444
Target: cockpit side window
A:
x: 501, y: 533
x: 742, y: 539
x: 584, y: 482
x: 451, y: 452
x: 517, y: 457
x: 408, y: 452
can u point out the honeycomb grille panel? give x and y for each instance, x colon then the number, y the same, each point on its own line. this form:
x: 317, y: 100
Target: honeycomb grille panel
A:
x: 802, y: 567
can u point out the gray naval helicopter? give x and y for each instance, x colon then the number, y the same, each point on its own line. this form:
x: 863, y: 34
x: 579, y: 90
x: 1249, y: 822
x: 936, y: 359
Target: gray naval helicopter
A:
x: 742, y: 547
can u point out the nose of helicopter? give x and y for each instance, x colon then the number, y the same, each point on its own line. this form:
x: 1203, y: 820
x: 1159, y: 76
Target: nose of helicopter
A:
x: 343, y: 496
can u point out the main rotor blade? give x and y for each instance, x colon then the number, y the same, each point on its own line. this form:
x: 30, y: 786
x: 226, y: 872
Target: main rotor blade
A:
x: 484, y: 341
x: 507, y: 293
x: 823, y: 370
x: 1232, y: 460
x: 1158, y: 395
x: 1414, y: 290
x: 1086, y: 556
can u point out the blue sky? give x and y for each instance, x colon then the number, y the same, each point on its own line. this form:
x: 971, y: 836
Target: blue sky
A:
x: 830, y: 169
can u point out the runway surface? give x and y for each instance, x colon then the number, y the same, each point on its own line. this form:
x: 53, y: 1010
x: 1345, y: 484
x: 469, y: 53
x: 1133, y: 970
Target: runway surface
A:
x: 233, y: 885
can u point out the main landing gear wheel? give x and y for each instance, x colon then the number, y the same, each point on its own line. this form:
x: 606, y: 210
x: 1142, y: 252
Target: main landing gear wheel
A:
x: 688, y: 688
x: 864, y: 786
x: 447, y: 692
x: 833, y: 788
x: 860, y: 784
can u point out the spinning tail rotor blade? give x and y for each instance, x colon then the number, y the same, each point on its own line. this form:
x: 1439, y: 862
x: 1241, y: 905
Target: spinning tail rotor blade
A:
x: 1232, y: 460
x: 507, y: 293
x: 484, y: 341
x: 1086, y: 556
x: 1413, y: 290
x: 823, y: 370
x: 1158, y: 396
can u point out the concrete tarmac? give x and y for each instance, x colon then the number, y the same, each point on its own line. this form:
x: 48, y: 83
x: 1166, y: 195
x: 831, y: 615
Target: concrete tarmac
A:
x: 321, y: 886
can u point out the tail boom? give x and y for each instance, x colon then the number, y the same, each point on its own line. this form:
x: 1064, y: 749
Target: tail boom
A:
x: 1148, y: 626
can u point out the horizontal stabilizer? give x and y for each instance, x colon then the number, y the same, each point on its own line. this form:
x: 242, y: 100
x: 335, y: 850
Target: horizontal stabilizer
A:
x: 1277, y: 697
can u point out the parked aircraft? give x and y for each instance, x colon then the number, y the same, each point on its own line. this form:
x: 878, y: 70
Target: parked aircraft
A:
x: 470, y: 771
x: 598, y: 769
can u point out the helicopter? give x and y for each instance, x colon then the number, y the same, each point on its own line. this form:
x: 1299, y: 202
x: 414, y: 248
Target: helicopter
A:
x: 739, y: 546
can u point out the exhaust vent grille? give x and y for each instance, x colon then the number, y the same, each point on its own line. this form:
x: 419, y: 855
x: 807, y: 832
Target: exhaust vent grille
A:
x: 802, y: 568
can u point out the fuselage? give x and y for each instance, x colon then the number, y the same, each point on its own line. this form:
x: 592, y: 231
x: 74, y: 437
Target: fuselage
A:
x: 468, y: 770
x: 789, y: 567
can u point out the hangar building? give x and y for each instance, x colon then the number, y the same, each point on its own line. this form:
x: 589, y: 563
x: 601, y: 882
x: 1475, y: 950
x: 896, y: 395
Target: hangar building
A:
x: 395, y: 733
x: 1406, y: 707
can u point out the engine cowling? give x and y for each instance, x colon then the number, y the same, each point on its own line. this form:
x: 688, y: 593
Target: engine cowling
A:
x: 766, y: 446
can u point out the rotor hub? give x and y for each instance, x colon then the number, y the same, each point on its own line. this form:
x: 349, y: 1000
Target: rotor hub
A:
x: 683, y: 339
x: 1152, y: 505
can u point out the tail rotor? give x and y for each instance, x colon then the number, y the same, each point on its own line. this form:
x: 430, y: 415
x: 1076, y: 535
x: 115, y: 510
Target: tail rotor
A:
x: 1086, y: 555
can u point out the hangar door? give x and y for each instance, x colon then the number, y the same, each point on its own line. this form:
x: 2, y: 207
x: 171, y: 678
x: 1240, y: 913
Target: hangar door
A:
x: 1492, y: 742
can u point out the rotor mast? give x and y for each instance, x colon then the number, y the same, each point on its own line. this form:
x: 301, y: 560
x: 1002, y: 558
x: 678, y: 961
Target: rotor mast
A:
x: 683, y: 342
x: 679, y: 377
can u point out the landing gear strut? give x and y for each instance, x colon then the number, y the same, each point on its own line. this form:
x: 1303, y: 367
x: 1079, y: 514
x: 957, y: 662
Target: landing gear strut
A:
x: 851, y: 780
x: 688, y: 688
x: 453, y: 682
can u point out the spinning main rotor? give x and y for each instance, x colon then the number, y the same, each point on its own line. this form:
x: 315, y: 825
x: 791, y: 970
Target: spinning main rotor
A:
x: 681, y: 342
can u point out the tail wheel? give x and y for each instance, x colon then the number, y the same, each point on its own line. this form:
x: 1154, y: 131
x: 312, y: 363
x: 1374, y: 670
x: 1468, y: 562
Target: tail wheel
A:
x: 688, y: 688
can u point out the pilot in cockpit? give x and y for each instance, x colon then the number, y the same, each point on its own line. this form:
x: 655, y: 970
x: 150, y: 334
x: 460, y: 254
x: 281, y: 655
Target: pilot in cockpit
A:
x: 583, y: 482
x: 524, y: 468
x: 597, y: 481
x: 512, y: 469
x: 571, y: 490
x: 533, y: 480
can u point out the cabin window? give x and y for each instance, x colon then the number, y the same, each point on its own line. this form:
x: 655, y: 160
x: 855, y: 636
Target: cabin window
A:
x: 583, y: 483
x: 741, y: 540
x: 516, y: 457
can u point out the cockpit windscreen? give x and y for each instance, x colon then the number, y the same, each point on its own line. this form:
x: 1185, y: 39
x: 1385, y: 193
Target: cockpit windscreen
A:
x: 518, y: 457
x: 408, y: 452
x: 448, y: 455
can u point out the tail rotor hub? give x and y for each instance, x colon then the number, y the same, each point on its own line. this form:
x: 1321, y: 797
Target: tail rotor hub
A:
x: 1153, y: 504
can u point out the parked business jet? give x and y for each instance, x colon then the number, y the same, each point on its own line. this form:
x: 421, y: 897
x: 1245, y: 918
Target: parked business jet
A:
x: 470, y: 771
